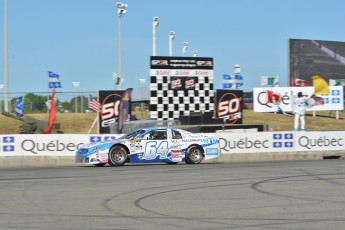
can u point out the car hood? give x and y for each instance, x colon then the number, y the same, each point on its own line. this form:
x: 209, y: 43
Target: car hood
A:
x: 102, y: 143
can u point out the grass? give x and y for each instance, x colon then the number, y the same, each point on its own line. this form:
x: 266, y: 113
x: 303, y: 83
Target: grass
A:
x: 324, y: 120
x: 80, y: 123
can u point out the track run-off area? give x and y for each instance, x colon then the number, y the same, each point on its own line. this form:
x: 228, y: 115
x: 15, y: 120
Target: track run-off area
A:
x: 306, y: 194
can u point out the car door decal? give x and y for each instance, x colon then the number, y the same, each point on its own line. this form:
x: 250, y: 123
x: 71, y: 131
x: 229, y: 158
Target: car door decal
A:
x: 154, y: 149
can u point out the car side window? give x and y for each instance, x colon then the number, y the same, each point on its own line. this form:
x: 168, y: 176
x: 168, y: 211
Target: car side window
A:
x: 156, y: 135
x: 176, y: 134
x: 147, y: 136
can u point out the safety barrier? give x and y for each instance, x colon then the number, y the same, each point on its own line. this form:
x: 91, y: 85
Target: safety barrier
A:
x: 59, y: 149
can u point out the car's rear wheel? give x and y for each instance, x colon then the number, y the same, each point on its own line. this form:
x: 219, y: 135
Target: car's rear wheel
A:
x: 194, y: 155
x: 117, y: 156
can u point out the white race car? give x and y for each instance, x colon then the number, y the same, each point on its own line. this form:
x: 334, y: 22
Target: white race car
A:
x: 150, y: 145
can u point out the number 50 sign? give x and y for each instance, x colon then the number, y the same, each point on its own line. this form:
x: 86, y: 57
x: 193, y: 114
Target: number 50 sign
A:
x: 229, y: 106
x: 110, y: 101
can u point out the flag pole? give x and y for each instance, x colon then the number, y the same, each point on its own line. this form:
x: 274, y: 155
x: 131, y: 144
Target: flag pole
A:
x: 93, y: 124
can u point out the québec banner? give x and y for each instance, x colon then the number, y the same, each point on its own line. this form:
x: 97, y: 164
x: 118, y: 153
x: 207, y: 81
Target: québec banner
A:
x: 230, y: 143
x: 333, y: 101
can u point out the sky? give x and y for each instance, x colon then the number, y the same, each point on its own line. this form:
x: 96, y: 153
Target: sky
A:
x: 78, y: 39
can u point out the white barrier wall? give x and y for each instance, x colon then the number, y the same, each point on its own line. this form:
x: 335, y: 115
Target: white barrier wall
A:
x: 46, y: 145
x: 261, y: 142
x: 230, y: 143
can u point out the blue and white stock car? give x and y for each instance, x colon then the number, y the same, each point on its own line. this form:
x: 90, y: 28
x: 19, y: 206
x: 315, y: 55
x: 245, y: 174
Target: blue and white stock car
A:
x: 151, y: 145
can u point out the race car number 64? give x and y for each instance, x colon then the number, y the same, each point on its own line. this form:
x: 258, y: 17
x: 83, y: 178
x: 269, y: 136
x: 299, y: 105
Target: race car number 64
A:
x: 154, y: 148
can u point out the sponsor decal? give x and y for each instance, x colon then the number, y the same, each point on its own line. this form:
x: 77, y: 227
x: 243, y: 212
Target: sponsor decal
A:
x: 243, y: 143
x: 176, y: 83
x: 204, y: 63
x: 210, y: 140
x: 192, y: 140
x: 176, y: 155
x: 159, y: 62
x: 8, y: 139
x: 263, y: 99
x: 335, y: 92
x: 163, y: 72
x: 110, y: 109
x: 8, y: 148
x: 8, y: 144
x: 212, y: 151
x: 283, y: 140
x: 138, y: 147
x: 180, y: 83
x: 333, y: 101
x: 179, y: 63
x: 35, y: 147
x: 109, y: 138
x: 176, y: 146
x: 95, y: 138
x: 190, y: 83
x: 201, y: 73
x: 229, y: 106
x: 182, y: 73
x: 310, y: 143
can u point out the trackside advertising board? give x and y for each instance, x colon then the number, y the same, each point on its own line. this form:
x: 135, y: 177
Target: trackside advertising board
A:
x: 281, y: 141
x: 229, y: 106
x: 47, y: 145
x: 110, y: 102
x: 333, y: 101
x: 248, y: 142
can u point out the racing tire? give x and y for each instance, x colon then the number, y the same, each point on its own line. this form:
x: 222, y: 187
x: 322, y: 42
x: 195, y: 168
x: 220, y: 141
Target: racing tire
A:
x: 117, y: 156
x: 194, y: 155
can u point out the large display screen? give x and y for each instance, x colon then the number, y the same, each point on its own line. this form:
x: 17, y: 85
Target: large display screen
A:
x: 315, y: 57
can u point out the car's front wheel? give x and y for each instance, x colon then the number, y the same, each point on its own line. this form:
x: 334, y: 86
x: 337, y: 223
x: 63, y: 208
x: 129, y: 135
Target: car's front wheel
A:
x: 117, y: 156
x: 194, y: 155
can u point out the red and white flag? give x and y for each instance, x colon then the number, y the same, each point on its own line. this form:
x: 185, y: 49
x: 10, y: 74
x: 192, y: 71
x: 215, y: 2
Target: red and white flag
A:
x: 52, y: 114
x: 94, y: 104
x: 298, y: 82
x: 273, y: 98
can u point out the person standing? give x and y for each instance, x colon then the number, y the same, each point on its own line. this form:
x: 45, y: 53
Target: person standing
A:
x: 300, y: 107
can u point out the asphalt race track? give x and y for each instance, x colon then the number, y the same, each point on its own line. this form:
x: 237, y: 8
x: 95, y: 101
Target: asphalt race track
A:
x: 264, y: 195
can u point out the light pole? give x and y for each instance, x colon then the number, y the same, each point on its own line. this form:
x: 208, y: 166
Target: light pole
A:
x: 142, y: 82
x: 81, y: 103
x: 5, y: 58
x: 184, y: 48
x: 121, y: 10
x: 154, y: 26
x: 171, y: 38
x: 195, y: 53
x: 237, y: 69
x: 1, y: 87
x: 76, y: 84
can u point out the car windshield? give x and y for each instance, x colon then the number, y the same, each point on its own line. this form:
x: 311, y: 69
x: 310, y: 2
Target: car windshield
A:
x: 133, y: 135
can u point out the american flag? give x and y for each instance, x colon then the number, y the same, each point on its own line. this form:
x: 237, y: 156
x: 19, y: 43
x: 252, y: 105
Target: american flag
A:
x: 94, y: 104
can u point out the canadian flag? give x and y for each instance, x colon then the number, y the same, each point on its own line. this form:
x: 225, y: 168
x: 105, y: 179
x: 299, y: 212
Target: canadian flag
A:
x: 273, y: 98
x: 298, y: 82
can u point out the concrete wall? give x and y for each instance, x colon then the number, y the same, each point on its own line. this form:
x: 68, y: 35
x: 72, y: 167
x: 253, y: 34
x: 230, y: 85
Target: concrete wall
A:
x: 58, y: 161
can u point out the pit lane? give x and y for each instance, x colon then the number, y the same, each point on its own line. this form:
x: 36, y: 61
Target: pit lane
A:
x: 258, y: 195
